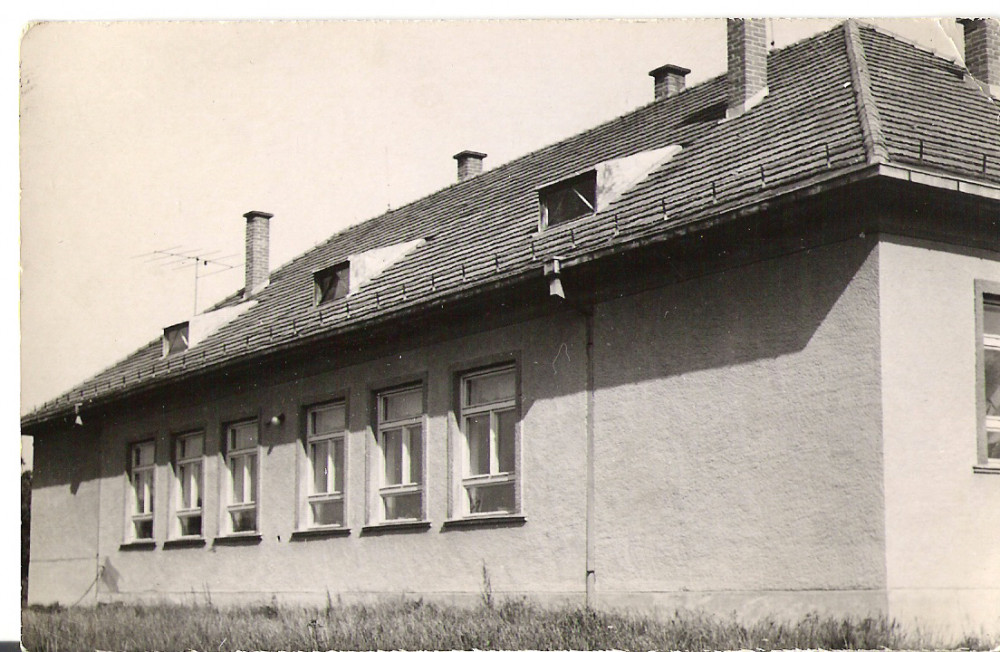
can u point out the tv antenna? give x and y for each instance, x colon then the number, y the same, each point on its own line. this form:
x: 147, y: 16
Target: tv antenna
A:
x: 174, y: 260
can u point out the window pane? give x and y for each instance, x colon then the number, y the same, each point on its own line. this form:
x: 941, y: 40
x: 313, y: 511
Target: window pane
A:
x: 993, y: 444
x: 991, y: 318
x: 402, y: 506
x: 327, y: 419
x: 329, y: 512
x: 144, y: 528
x: 236, y: 469
x: 505, y: 439
x: 244, y: 520
x: 252, y: 480
x: 491, y: 388
x: 392, y: 449
x: 338, y: 464
x: 478, y: 431
x: 190, y: 479
x: 144, y: 491
x: 319, y: 452
x: 991, y: 359
x: 190, y: 526
x: 143, y: 454
x: 570, y: 199
x: 403, y: 405
x: 243, y: 436
x: 190, y: 447
x: 491, y: 498
x: 416, y: 453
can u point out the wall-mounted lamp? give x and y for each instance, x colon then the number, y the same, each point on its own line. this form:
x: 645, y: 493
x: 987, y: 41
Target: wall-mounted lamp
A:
x: 76, y: 410
x: 552, y: 270
x: 278, y: 419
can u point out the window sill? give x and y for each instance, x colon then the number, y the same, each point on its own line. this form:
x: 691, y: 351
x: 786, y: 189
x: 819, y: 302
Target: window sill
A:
x: 986, y: 470
x: 395, y: 526
x: 138, y: 545
x: 321, y: 533
x: 192, y: 542
x: 486, y: 522
x: 247, y: 539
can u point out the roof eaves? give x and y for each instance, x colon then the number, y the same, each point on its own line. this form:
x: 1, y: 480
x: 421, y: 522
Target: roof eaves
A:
x: 868, y: 114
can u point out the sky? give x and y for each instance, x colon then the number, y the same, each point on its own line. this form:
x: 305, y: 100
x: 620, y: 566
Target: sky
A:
x: 133, y: 137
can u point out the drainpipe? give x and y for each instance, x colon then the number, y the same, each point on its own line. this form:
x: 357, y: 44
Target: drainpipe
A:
x: 552, y: 271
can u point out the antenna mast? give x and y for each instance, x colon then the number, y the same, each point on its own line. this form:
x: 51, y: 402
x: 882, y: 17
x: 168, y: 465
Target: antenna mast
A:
x: 181, y: 259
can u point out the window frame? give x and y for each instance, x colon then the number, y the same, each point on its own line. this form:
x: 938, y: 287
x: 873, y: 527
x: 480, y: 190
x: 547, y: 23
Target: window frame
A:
x: 463, y: 410
x: 171, y: 344
x: 333, y: 270
x: 308, y: 438
x: 381, y: 426
x: 179, y: 511
x: 133, y: 516
x: 229, y: 485
x: 547, y: 191
x: 987, y: 293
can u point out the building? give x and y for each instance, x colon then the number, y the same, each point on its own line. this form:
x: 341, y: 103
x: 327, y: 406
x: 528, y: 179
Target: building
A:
x: 734, y: 350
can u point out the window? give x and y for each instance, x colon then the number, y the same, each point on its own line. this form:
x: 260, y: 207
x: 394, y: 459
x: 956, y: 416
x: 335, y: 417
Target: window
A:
x: 569, y: 199
x: 175, y: 338
x: 188, y: 451
x: 241, y: 460
x: 332, y: 283
x: 400, y: 443
x: 991, y: 376
x: 489, y: 424
x: 325, y: 440
x: 142, y: 468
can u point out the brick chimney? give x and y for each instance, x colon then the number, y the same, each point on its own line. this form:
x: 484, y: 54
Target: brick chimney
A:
x: 982, y: 51
x: 668, y: 80
x: 257, y: 244
x: 469, y: 164
x: 746, y: 45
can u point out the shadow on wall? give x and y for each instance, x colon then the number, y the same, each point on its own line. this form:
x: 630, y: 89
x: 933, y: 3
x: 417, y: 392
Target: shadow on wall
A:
x: 760, y: 312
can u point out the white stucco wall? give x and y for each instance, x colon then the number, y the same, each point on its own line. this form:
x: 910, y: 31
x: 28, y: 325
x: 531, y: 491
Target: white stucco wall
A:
x: 942, y: 519
x: 738, y: 447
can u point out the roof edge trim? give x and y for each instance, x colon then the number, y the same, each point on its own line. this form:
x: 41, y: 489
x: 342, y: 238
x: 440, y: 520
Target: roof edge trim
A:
x: 871, y: 123
x: 979, y: 187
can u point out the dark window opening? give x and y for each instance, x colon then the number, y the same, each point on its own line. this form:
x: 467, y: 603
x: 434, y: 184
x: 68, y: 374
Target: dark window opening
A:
x: 711, y: 113
x: 568, y: 200
x: 175, y: 339
x: 332, y: 283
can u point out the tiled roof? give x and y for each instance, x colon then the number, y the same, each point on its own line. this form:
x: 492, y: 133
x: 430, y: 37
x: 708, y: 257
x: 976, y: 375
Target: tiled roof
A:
x: 837, y: 102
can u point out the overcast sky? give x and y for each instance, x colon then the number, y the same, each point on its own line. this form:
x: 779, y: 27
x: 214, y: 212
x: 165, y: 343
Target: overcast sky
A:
x: 144, y: 136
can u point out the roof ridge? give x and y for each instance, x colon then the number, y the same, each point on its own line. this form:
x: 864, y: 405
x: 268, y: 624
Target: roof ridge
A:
x: 868, y: 114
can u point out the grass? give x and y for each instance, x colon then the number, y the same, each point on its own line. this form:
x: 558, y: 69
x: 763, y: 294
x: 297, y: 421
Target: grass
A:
x: 419, y: 625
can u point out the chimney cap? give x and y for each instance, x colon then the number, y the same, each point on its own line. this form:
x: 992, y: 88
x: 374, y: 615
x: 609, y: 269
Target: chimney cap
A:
x: 468, y: 153
x: 253, y: 214
x: 668, y: 69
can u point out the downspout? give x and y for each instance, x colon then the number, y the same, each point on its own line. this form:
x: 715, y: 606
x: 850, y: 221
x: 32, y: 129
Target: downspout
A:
x: 552, y: 271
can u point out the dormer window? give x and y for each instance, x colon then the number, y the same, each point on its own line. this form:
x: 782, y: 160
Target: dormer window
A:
x: 332, y: 283
x: 175, y: 338
x: 569, y: 199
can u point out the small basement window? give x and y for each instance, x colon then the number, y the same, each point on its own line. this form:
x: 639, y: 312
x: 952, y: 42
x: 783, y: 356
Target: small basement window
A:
x: 176, y: 338
x: 569, y: 199
x: 332, y: 283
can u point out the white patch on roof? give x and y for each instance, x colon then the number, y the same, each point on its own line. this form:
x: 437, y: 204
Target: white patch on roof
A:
x: 618, y: 176
x: 369, y: 264
x: 203, y: 325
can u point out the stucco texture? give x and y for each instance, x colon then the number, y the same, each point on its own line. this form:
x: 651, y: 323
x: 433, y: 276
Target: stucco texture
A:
x: 738, y: 452
x: 942, y: 518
